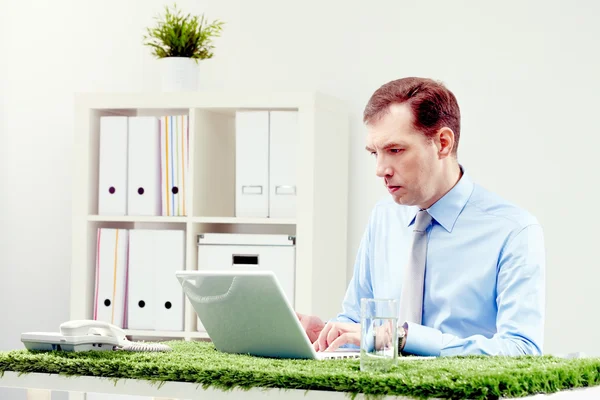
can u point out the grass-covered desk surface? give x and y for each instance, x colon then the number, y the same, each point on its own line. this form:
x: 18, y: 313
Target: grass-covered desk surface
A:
x: 198, y: 362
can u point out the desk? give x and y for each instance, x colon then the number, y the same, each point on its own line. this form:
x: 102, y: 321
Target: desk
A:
x: 181, y: 374
x: 45, y: 383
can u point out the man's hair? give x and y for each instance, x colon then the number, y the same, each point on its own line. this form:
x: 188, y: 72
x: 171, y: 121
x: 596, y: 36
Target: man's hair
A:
x: 433, y: 105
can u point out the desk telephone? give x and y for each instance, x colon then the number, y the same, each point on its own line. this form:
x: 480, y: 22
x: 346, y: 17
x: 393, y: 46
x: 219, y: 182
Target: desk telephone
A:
x: 86, y: 335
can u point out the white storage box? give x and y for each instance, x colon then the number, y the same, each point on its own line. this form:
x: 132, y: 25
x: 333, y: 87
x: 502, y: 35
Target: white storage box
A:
x: 237, y: 251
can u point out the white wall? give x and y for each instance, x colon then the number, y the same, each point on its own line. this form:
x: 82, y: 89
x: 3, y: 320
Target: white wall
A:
x: 525, y: 74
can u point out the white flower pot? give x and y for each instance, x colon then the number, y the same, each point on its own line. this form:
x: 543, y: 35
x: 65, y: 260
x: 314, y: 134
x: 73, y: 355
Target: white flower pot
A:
x: 179, y: 74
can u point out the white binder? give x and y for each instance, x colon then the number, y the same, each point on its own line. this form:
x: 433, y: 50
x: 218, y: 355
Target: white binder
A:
x: 112, y: 166
x: 155, y: 300
x: 141, y: 281
x: 252, y: 164
x: 283, y: 133
x: 272, y: 252
x: 143, y: 182
x: 174, y: 154
x: 111, y: 275
x: 169, y: 250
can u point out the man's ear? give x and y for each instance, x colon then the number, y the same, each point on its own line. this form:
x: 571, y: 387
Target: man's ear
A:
x: 445, y: 142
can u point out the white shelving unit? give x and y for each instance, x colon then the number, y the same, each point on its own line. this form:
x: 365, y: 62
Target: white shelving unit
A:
x: 322, y: 193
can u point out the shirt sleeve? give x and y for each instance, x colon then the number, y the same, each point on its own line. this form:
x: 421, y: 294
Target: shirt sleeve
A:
x: 520, y: 301
x: 360, y: 284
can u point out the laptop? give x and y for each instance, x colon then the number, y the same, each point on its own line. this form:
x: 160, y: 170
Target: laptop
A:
x: 247, y: 312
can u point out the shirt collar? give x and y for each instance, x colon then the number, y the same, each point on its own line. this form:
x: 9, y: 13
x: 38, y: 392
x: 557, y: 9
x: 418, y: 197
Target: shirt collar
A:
x: 447, y: 209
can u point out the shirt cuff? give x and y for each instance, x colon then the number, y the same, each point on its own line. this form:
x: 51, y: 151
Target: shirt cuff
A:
x: 423, y: 340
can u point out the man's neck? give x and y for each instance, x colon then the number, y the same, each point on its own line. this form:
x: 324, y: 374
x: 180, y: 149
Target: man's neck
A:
x: 449, y: 179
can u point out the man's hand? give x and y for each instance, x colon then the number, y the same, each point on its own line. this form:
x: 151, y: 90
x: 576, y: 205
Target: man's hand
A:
x: 336, y: 334
x: 312, y: 325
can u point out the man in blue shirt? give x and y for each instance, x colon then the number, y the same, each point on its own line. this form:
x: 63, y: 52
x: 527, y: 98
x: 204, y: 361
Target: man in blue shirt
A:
x: 484, y: 282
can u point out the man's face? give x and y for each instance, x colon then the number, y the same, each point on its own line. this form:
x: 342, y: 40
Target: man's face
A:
x: 406, y: 160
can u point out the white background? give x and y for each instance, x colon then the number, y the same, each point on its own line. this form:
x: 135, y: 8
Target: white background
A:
x: 525, y: 74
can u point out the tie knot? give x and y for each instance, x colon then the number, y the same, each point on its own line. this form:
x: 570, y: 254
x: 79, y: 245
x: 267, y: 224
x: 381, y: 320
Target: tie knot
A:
x: 422, y: 221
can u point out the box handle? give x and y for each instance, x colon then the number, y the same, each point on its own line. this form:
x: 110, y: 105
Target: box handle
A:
x: 252, y: 189
x: 244, y: 259
x: 285, y: 189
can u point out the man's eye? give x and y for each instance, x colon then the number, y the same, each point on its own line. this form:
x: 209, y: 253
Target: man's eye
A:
x: 395, y: 150
x: 373, y: 153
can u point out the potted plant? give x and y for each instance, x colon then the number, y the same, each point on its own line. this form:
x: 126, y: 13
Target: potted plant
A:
x: 179, y: 42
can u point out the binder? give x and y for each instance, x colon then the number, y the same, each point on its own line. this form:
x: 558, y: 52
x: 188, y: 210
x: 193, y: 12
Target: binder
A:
x: 252, y: 164
x: 112, y: 166
x: 111, y: 275
x: 283, y: 133
x: 143, y: 174
x: 174, y: 156
x: 155, y: 299
x: 169, y: 250
x: 140, y: 280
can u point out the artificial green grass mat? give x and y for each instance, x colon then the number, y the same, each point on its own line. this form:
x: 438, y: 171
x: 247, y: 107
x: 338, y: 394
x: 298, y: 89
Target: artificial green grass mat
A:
x: 475, y: 377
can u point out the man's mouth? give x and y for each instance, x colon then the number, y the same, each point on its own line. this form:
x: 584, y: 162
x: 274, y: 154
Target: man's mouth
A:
x: 392, y: 189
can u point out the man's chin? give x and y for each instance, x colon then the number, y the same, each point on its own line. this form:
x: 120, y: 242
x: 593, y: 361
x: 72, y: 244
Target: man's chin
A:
x: 402, y: 200
x: 399, y: 199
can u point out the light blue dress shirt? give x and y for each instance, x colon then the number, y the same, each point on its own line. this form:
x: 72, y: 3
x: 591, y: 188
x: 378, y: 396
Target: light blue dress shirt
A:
x: 485, y: 274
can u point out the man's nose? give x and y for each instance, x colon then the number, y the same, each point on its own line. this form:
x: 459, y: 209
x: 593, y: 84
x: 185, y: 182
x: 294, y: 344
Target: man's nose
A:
x: 383, y: 169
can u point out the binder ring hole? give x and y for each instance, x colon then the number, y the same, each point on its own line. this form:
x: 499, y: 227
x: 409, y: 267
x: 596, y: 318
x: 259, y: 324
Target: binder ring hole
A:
x: 168, y: 305
x: 175, y: 190
x: 141, y: 190
x: 111, y: 190
x: 107, y: 302
x: 141, y: 303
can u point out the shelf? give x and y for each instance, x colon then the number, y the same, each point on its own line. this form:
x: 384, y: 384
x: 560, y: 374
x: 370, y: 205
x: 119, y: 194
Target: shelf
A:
x: 321, y: 218
x: 166, y: 334
x: 225, y: 102
x: 134, y: 218
x: 198, y: 220
x: 246, y: 221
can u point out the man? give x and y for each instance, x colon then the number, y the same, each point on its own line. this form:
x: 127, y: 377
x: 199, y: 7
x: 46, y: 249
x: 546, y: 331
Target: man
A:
x: 467, y: 266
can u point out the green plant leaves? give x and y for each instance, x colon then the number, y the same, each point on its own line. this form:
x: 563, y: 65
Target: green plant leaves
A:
x: 183, y: 35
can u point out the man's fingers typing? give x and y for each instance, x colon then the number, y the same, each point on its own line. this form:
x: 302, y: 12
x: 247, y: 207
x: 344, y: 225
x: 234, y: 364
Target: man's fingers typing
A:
x: 322, y: 340
x: 345, y: 338
x: 333, y: 334
x: 339, y: 341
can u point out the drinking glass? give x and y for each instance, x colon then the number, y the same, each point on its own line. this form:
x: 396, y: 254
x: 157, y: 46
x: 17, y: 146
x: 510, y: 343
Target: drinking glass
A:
x: 379, y: 334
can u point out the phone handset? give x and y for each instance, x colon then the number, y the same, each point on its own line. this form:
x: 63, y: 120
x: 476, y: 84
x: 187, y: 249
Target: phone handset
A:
x: 83, y: 327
